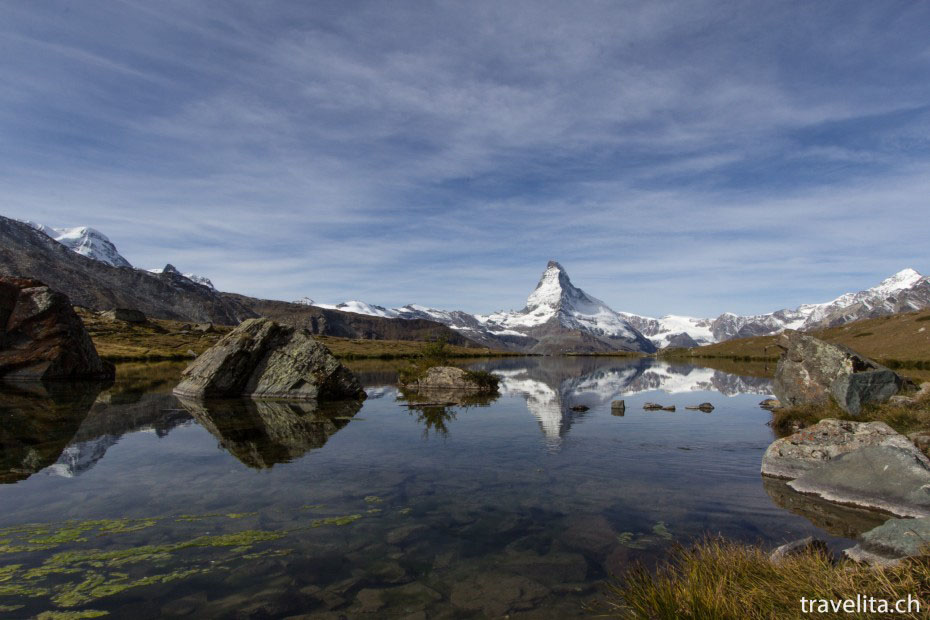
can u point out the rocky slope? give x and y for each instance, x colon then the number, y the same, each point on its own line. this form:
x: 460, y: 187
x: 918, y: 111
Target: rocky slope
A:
x: 95, y: 284
x: 85, y: 241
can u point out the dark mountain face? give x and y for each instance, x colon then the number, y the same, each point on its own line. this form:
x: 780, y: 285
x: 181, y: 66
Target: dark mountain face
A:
x: 25, y: 252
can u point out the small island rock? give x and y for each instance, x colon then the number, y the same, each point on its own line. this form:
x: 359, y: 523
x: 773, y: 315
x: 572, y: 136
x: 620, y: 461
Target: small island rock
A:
x: 448, y: 378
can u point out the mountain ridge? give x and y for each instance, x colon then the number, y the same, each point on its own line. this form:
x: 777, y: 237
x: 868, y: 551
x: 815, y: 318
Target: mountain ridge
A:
x: 557, y: 317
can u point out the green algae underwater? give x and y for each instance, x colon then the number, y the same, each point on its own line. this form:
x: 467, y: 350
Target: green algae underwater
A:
x: 58, y: 567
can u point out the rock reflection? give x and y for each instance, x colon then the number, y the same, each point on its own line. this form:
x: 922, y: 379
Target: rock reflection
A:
x: 262, y: 434
x: 838, y: 520
x: 434, y: 408
x: 37, y: 421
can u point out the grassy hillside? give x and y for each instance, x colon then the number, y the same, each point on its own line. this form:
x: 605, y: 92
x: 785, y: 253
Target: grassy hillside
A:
x: 901, y: 340
x: 160, y: 339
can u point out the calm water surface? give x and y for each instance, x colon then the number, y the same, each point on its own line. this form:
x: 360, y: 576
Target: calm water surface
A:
x: 130, y: 501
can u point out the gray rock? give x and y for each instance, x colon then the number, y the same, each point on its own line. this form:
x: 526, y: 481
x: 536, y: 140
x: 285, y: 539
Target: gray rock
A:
x: 705, y: 407
x: 770, y: 403
x: 880, y: 477
x: 496, y: 594
x: 893, y: 540
x: 921, y: 440
x: 446, y: 378
x: 618, y: 408
x: 263, y: 359
x: 127, y: 315
x: 798, y: 547
x: 816, y: 445
x: 812, y: 371
x: 42, y: 338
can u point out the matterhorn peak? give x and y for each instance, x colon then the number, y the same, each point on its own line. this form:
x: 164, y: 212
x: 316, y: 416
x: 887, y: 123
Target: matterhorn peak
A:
x: 553, y: 286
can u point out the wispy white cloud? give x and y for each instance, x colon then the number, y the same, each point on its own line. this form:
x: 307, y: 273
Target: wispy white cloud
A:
x: 676, y: 157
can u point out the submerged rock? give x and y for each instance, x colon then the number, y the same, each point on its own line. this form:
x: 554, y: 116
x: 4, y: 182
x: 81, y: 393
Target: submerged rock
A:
x: 892, y: 541
x: 42, y: 338
x: 812, y: 371
x: 814, y: 446
x: 798, y: 547
x: 264, y: 359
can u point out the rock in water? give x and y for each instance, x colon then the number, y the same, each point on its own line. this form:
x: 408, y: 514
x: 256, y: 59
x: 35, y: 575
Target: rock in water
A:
x: 42, y: 338
x: 890, y: 542
x: 877, y: 477
x: 814, y: 446
x: 812, y: 371
x: 264, y: 359
x: 448, y: 378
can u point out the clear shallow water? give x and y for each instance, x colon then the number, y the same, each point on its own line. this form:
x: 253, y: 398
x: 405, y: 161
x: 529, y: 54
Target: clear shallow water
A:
x: 266, y: 510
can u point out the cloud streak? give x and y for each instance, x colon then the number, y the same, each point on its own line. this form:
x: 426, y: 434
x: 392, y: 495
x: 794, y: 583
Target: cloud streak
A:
x: 684, y: 157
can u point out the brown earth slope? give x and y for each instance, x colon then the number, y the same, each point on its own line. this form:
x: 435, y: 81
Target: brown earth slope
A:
x: 895, y: 340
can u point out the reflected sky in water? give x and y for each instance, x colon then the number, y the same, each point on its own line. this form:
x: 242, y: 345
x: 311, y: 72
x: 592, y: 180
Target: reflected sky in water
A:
x: 520, y: 486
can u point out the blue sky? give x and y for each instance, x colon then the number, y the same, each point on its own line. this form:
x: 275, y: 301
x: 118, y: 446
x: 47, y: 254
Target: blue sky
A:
x: 676, y: 157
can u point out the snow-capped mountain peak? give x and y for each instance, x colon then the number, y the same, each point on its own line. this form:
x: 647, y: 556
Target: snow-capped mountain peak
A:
x: 904, y: 279
x: 553, y: 287
x: 85, y: 241
x: 555, y: 309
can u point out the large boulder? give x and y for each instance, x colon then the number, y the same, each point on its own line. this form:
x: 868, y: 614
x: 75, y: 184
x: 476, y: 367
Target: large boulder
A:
x: 886, y: 478
x: 263, y: 359
x: 812, y: 371
x: 42, y: 338
x: 816, y: 445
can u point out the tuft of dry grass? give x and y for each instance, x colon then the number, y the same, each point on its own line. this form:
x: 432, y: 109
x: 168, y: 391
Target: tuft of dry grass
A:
x: 716, y: 578
x: 902, y: 418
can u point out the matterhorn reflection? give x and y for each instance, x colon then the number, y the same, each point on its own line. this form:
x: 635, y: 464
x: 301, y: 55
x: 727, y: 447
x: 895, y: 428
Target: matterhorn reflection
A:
x: 552, y: 389
x: 264, y: 433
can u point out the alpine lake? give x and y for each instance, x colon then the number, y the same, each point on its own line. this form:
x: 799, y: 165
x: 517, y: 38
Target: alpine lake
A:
x: 125, y: 501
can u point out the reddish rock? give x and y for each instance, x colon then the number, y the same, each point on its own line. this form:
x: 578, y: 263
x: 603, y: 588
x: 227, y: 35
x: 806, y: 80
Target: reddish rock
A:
x: 42, y: 338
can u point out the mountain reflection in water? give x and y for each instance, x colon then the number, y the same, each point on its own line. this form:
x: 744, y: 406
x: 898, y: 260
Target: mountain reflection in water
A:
x: 37, y: 421
x: 518, y: 504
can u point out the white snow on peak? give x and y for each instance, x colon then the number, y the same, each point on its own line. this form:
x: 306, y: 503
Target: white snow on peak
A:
x: 556, y: 297
x: 360, y: 307
x: 85, y: 241
x: 904, y: 279
x: 193, y: 277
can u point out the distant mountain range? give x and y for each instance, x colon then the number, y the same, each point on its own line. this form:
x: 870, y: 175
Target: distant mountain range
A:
x: 92, y: 243
x: 556, y: 301
x: 99, y: 285
x: 558, y: 316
